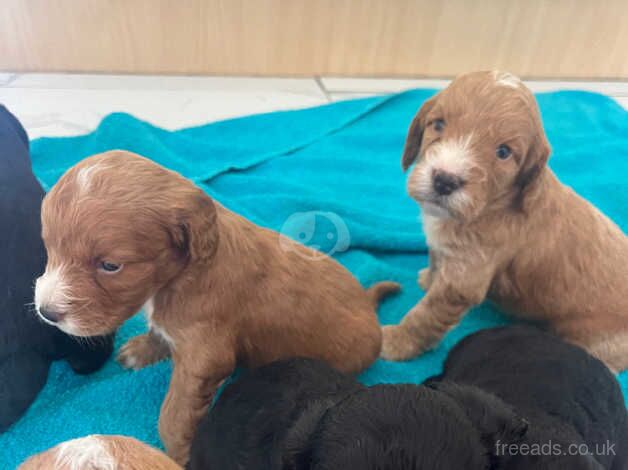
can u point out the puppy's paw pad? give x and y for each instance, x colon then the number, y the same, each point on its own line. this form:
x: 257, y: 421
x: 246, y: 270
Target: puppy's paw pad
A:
x: 398, y: 344
x: 425, y: 278
x: 137, y: 353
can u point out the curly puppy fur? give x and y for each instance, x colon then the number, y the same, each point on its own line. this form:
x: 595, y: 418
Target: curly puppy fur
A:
x: 123, y: 232
x: 567, y: 397
x: 98, y: 452
x: 499, y: 225
x: 27, y: 345
x: 320, y: 419
x: 301, y: 415
x: 285, y: 399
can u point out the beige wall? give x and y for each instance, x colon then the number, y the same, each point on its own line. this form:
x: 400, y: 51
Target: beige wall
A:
x: 533, y: 38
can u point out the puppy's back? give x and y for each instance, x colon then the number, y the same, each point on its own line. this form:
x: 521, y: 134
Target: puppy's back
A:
x: 548, y: 379
x: 391, y: 427
x: 261, y: 420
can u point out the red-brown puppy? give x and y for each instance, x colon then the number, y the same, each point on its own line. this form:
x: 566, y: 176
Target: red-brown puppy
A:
x: 500, y: 225
x: 101, y: 453
x: 123, y: 232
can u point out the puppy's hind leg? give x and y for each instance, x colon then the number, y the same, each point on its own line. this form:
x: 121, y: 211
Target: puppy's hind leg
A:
x: 143, y: 350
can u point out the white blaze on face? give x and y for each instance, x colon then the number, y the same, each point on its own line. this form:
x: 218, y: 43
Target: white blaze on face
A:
x: 51, y: 291
x: 85, y: 175
x: 431, y: 228
x: 85, y: 453
x: 451, y: 156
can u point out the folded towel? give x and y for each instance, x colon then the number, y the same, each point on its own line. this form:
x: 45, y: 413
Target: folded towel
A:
x: 329, y: 177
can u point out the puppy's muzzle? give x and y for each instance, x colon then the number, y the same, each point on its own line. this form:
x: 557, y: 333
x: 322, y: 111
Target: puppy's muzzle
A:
x: 446, y: 183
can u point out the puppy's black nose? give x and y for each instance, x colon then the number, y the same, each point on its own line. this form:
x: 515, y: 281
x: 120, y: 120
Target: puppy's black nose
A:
x: 446, y: 183
x: 50, y: 315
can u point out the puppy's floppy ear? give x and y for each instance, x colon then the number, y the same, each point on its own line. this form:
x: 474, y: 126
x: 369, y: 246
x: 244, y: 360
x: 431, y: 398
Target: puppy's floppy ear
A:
x: 299, y: 439
x: 415, y: 134
x: 494, y: 419
x: 195, y: 231
x: 534, y: 162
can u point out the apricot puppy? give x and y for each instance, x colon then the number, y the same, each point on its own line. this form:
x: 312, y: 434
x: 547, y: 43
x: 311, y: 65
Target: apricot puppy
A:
x: 500, y: 225
x: 123, y: 232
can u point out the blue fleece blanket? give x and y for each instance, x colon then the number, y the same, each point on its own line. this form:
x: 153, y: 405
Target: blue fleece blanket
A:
x: 330, y: 177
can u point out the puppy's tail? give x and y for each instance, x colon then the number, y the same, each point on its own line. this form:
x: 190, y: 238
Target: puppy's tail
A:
x: 377, y: 292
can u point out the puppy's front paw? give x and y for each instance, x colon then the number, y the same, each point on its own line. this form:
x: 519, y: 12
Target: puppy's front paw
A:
x: 399, y: 344
x: 141, y: 351
x: 425, y: 279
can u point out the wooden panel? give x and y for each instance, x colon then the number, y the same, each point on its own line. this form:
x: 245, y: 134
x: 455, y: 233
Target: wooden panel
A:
x: 533, y: 38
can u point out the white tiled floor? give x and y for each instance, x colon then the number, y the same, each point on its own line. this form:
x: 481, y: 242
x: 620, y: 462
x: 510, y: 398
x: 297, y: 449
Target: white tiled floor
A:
x: 65, y: 104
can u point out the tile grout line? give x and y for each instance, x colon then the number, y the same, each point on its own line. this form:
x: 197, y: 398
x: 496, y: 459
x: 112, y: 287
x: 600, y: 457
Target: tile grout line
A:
x: 323, y: 89
x: 10, y: 79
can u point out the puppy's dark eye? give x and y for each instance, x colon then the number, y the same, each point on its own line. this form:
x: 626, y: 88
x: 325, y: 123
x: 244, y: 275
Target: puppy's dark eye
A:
x: 503, y: 152
x: 438, y: 125
x: 109, y: 268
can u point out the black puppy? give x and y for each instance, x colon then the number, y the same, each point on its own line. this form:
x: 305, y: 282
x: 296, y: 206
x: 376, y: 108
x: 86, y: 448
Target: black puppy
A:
x: 265, y: 419
x: 570, y: 400
x: 27, y: 345
x: 301, y: 414
x: 503, y: 390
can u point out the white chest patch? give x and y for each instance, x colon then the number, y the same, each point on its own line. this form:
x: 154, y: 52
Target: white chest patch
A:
x: 149, y: 310
x: 431, y: 227
x: 85, y: 453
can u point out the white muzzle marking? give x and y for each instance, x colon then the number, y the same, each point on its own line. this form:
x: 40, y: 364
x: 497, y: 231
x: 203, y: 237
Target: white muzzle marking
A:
x: 51, y: 291
x: 451, y: 156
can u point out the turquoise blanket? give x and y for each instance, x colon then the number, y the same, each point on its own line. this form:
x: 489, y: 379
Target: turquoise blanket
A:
x: 329, y: 176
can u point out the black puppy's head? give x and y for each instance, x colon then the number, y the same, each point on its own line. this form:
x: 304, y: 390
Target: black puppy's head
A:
x: 510, y: 441
x: 394, y: 427
x: 495, y: 422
